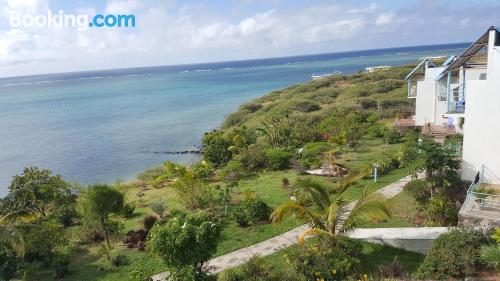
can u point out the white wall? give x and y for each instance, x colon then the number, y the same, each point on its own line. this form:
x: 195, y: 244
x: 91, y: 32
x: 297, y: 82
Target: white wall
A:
x: 482, y: 131
x: 424, y: 104
x: 482, y: 122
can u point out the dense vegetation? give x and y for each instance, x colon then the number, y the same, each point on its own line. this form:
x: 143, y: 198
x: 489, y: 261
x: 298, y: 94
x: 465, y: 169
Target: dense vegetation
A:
x: 175, y: 218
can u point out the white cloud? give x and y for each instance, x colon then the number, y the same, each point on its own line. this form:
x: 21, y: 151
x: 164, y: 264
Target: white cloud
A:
x: 385, y: 18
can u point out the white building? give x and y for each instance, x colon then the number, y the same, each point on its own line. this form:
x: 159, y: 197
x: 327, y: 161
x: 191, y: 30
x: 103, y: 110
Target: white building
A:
x: 428, y: 93
x: 464, y: 94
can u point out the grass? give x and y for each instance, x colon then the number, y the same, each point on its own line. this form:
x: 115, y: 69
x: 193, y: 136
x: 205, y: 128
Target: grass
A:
x: 373, y: 256
x: 403, y: 211
x: 330, y: 93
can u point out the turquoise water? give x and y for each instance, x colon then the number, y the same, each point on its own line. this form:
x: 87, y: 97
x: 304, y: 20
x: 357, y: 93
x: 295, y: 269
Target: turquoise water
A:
x: 99, y: 126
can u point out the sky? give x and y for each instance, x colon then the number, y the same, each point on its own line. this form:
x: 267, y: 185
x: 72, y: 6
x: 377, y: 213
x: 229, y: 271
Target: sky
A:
x: 180, y: 32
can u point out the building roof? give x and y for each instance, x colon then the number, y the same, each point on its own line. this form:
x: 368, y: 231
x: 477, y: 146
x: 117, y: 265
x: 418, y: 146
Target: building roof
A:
x: 424, y: 60
x: 470, y: 51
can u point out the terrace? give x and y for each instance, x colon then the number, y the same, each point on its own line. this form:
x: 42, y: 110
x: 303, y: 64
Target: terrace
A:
x: 482, y: 203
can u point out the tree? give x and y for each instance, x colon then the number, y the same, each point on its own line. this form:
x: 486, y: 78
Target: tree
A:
x: 11, y: 233
x: 38, y: 190
x: 329, y: 217
x: 216, y: 150
x: 98, y: 202
x: 185, y: 243
x: 439, y: 164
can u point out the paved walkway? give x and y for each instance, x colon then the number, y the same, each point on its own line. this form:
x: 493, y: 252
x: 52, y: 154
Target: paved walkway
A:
x: 281, y: 241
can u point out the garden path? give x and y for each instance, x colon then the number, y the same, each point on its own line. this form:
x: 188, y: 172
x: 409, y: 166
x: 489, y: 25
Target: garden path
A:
x: 284, y: 240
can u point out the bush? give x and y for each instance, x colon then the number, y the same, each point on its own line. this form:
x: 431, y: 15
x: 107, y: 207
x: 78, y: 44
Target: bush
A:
x: 392, y: 136
x: 312, y: 153
x: 158, y: 207
x: 257, y: 269
x: 368, y: 104
x: 202, y: 170
x: 148, y: 222
x: 278, y: 159
x: 233, y: 171
x: 490, y: 255
x: 253, y: 158
x: 186, y: 242
x: 8, y: 264
x: 251, y: 210
x: 419, y: 190
x: 216, y: 150
x: 128, y: 210
x: 322, y: 263
x: 60, y: 264
x: 376, y: 130
x: 251, y: 106
x: 442, y: 211
x: 306, y: 106
x: 453, y: 255
x: 393, y: 270
x: 120, y: 260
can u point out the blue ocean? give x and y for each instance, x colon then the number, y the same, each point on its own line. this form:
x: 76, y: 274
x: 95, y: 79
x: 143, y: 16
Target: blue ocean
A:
x: 103, y: 126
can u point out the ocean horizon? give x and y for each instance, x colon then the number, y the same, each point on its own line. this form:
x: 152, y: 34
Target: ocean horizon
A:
x: 105, y: 125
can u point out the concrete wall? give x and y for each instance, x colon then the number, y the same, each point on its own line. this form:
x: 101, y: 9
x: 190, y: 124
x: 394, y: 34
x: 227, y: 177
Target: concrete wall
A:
x: 482, y: 122
x: 415, y: 239
x: 424, y: 102
x: 482, y: 131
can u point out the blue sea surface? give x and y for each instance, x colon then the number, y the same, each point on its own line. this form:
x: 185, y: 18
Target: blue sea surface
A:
x: 101, y: 126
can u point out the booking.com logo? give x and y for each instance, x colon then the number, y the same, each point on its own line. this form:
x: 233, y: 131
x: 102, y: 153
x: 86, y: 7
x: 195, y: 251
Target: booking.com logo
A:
x: 80, y: 22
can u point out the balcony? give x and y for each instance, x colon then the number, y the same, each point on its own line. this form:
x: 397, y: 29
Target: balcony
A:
x: 456, y: 102
x: 482, y: 204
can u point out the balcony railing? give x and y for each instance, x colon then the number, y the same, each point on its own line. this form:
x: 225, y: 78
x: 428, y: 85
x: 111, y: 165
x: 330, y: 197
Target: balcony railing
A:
x: 481, y: 201
x: 456, y: 103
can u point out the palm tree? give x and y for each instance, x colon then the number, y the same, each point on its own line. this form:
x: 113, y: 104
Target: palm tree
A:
x: 330, y: 217
x: 11, y: 225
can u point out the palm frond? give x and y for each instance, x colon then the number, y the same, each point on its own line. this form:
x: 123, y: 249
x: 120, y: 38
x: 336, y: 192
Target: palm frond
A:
x: 291, y: 208
x: 319, y: 193
x: 368, y: 208
x: 12, y: 237
x: 313, y: 232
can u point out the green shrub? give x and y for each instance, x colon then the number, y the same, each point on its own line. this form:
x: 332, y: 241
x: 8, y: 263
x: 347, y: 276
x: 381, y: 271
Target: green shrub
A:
x: 128, y: 210
x: 158, y: 207
x: 318, y: 263
x: 233, y: 171
x: 368, y: 104
x: 216, y: 151
x: 392, y: 136
x: 306, y: 106
x: 60, y: 264
x: 419, y: 190
x: 185, y: 242
x: 258, y: 269
x: 278, y: 159
x: 442, y: 211
x: 490, y: 255
x: 376, y: 130
x: 251, y: 210
x: 235, y: 118
x: 253, y: 158
x: 454, y: 254
x: 202, y: 170
x: 251, y: 106
x: 8, y: 264
x: 312, y: 153
x: 120, y: 260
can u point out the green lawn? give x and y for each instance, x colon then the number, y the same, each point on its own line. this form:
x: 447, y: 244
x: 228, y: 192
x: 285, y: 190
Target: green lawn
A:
x: 267, y: 185
x: 373, y: 256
